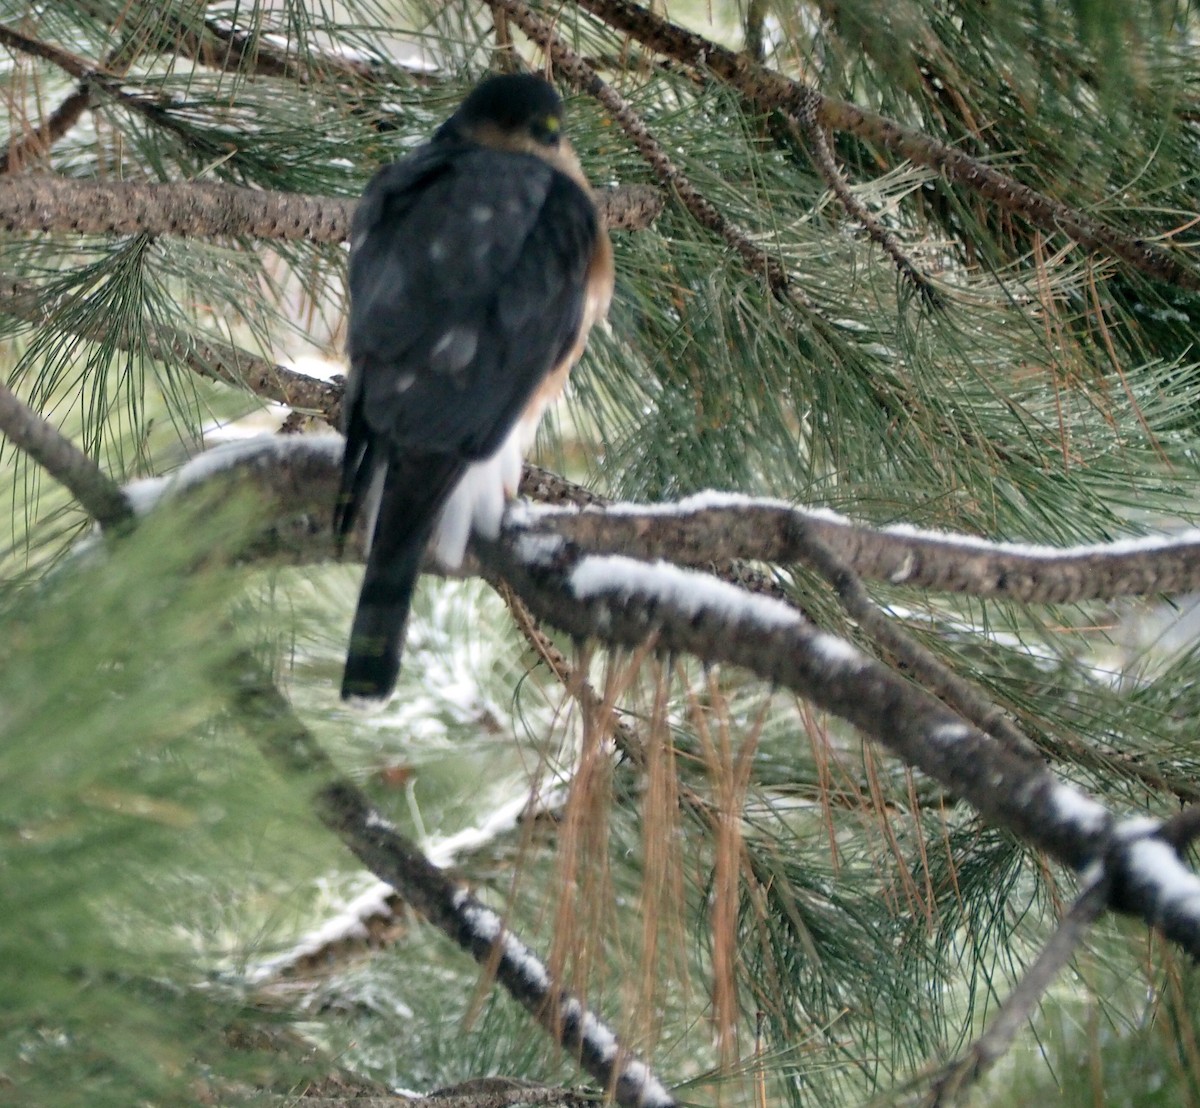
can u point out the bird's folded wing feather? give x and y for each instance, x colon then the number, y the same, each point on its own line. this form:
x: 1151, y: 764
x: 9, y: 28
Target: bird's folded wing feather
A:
x: 467, y: 278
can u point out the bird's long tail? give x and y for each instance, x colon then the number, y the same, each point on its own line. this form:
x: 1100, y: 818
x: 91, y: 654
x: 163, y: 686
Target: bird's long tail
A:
x: 413, y: 493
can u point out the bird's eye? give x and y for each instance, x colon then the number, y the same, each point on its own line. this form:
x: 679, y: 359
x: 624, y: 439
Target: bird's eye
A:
x: 547, y: 129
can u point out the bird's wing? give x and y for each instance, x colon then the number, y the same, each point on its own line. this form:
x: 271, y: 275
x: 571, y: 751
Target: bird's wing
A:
x: 467, y: 286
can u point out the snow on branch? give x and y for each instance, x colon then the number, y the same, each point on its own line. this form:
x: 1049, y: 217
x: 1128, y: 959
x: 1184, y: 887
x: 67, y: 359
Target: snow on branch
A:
x: 716, y: 527
x: 474, y: 927
x: 299, y: 473
x: 626, y: 601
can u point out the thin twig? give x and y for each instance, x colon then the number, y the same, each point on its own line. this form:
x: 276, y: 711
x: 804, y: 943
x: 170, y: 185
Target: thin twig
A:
x: 934, y: 675
x: 208, y: 357
x: 956, y: 1079
x: 1183, y: 829
x: 628, y: 742
x: 37, y: 142
x: 805, y: 125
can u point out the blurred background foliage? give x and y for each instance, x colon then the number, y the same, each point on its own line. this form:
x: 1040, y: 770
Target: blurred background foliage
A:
x: 772, y: 911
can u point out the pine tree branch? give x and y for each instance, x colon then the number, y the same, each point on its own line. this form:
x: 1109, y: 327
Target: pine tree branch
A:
x: 300, y: 477
x: 552, y: 489
x: 629, y: 207
x: 773, y: 91
x: 39, y: 202
x: 38, y: 142
x: 547, y: 487
x: 483, y: 1092
x: 232, y: 365
x: 258, y: 53
x: 621, y: 601
x: 93, y: 76
x: 960, y: 694
x: 79, y: 68
x: 96, y: 492
x: 253, y: 53
x: 299, y: 472
x: 447, y: 904
x: 805, y: 126
x: 754, y: 27
x: 1183, y: 829
x: 209, y: 357
x: 225, y: 47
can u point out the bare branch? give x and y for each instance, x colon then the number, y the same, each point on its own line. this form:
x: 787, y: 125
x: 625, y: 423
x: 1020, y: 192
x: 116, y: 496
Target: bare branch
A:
x: 959, y: 1076
x: 37, y: 202
x: 79, y: 68
x: 939, y: 679
x: 96, y: 492
x: 22, y: 148
x: 208, y: 357
x: 1183, y: 829
x: 805, y: 125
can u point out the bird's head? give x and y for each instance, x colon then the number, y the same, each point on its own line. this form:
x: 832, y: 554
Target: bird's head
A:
x: 517, y: 111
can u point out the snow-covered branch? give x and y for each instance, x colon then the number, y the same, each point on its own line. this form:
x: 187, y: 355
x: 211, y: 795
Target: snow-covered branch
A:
x: 715, y: 527
x: 626, y: 601
x: 299, y: 475
x: 346, y: 810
